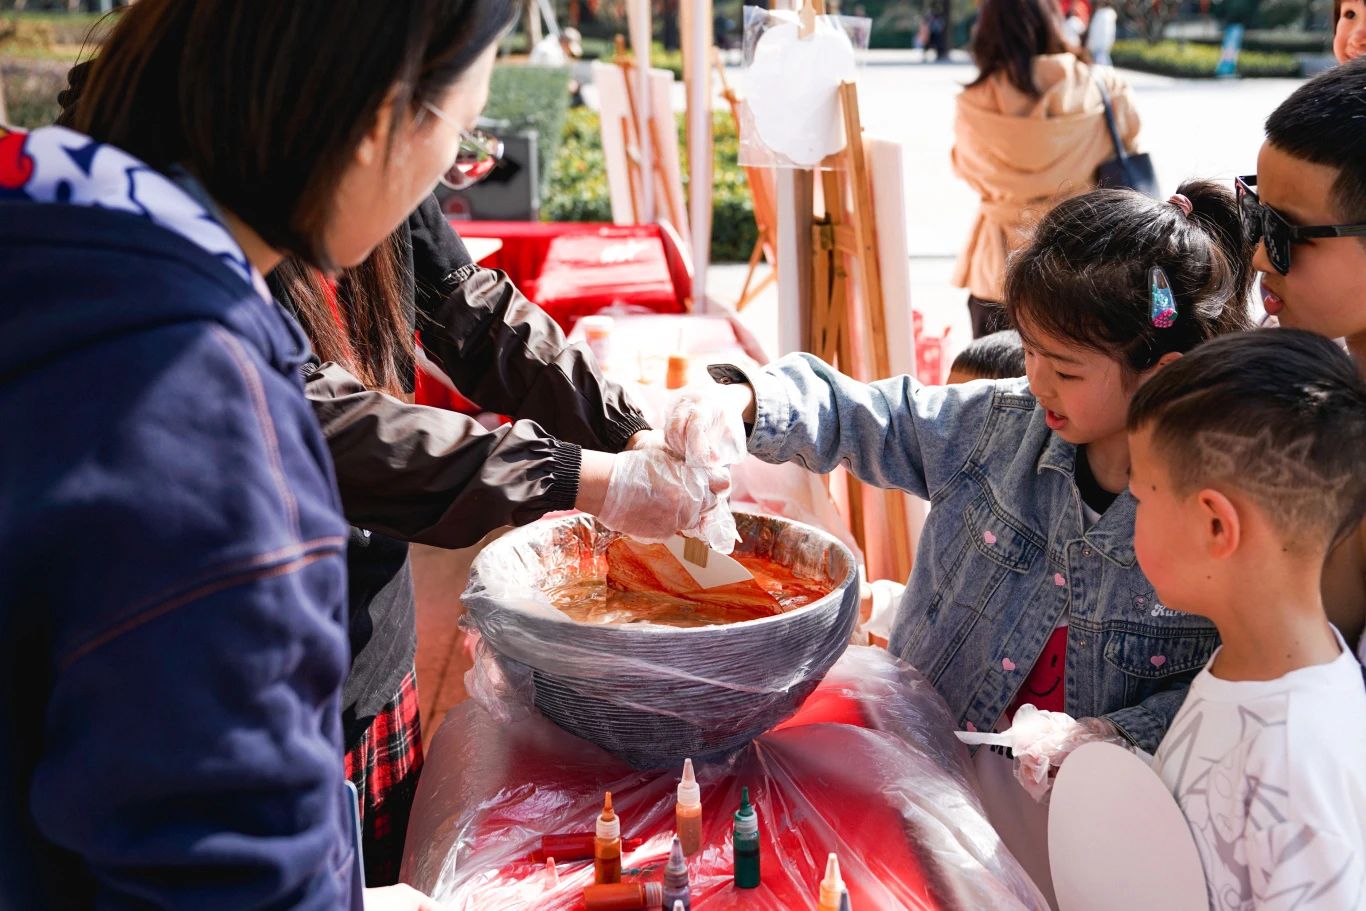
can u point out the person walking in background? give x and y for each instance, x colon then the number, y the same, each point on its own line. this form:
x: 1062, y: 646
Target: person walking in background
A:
x: 1029, y: 131
x: 1100, y: 37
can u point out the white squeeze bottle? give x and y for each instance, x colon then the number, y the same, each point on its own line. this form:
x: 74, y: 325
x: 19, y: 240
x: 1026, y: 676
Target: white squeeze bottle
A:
x: 688, y: 812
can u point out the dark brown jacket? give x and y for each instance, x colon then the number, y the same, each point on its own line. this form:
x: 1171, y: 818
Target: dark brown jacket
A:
x: 409, y: 473
x: 436, y: 477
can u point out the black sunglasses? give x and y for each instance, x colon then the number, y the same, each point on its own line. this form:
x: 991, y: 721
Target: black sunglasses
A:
x: 1265, y: 224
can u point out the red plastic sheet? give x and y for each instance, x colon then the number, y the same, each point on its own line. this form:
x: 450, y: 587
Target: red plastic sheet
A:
x: 868, y: 769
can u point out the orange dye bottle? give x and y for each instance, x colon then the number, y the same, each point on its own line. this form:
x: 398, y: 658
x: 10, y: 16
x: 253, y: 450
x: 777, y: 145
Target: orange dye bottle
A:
x: 688, y: 811
x: 624, y: 897
x: 607, y: 846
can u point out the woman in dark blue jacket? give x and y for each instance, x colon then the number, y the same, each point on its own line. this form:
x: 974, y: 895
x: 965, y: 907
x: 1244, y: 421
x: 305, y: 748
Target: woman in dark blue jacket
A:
x: 172, y: 590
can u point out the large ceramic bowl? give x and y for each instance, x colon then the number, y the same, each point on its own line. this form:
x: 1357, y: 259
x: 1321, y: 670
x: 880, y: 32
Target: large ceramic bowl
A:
x: 656, y: 694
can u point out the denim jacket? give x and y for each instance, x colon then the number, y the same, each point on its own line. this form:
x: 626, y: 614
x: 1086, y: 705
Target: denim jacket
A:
x: 1004, y: 556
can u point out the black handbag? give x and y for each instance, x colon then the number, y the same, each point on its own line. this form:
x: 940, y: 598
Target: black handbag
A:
x: 1124, y: 171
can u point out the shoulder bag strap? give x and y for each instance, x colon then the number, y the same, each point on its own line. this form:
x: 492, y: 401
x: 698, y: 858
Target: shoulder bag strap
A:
x: 1109, y: 114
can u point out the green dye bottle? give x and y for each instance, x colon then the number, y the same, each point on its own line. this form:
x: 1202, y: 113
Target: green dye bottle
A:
x: 746, y: 844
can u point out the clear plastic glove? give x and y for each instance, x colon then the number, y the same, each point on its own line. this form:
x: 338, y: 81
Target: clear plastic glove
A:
x: 705, y: 426
x: 878, y: 604
x: 1042, y: 740
x: 717, y: 528
x: 398, y: 898
x: 652, y: 496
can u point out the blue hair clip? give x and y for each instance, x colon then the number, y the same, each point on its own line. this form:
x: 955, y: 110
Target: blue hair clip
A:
x: 1164, y: 301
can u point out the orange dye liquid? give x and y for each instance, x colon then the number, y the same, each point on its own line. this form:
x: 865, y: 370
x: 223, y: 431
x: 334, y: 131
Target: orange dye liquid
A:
x: 625, y: 598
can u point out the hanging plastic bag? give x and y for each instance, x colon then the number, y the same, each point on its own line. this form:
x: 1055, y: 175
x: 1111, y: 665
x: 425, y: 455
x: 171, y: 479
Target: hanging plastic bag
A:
x: 790, y: 115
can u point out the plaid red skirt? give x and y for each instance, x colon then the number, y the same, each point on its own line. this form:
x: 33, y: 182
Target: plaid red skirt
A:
x: 384, y: 767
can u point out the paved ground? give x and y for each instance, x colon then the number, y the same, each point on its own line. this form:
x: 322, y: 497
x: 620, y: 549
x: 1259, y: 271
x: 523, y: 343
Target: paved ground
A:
x: 1193, y: 128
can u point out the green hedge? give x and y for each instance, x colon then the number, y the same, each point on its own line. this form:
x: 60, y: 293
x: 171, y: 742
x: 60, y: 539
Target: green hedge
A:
x: 536, y: 98
x: 31, y: 87
x: 1197, y: 61
x: 1282, y: 42
x: 578, y: 184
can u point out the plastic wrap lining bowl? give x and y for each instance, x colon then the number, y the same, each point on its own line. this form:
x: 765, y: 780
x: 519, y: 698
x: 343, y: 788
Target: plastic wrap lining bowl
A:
x: 655, y: 694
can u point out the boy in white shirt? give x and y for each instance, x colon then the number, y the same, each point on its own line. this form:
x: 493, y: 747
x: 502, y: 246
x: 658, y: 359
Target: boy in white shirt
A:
x: 1247, y: 464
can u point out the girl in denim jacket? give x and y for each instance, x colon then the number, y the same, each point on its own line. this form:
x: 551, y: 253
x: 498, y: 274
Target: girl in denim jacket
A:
x: 1025, y: 588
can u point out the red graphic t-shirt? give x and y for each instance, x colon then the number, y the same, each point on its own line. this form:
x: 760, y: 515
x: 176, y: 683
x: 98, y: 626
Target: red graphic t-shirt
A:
x: 1044, y: 687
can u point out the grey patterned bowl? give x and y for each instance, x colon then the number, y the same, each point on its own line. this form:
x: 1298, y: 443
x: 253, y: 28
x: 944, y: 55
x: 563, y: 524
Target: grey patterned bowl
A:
x: 655, y: 694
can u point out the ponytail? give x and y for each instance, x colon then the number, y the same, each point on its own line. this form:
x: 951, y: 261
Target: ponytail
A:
x: 1084, y: 277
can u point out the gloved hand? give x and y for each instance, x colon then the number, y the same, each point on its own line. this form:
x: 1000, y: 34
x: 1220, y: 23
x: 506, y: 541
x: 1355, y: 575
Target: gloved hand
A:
x: 652, y: 495
x: 1042, y: 740
x: 705, y: 425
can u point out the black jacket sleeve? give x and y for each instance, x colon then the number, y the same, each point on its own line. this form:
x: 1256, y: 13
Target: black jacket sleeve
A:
x: 434, y: 476
x: 504, y: 352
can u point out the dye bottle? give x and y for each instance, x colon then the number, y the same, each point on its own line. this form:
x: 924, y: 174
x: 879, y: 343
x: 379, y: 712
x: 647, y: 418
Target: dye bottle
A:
x: 832, y: 887
x: 746, y: 844
x: 688, y: 812
x: 607, y: 846
x: 624, y: 897
x: 844, y: 902
x: 676, y: 888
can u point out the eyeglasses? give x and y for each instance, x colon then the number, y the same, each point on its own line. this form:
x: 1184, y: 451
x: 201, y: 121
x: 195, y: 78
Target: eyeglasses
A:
x: 1277, y: 234
x: 478, y: 155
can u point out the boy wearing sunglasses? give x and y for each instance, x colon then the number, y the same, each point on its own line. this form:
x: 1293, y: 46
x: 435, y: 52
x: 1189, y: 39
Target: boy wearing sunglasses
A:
x: 1306, y: 211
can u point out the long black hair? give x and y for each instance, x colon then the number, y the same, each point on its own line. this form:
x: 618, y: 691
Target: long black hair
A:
x: 264, y: 102
x: 1084, y: 276
x: 1008, y: 36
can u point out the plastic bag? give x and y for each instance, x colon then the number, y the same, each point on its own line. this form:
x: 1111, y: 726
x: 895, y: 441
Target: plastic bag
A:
x: 868, y: 769
x: 652, y: 694
x: 790, y: 115
x: 1041, y: 740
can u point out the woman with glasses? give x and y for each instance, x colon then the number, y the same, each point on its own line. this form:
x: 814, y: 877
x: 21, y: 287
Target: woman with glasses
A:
x: 413, y: 474
x: 173, y: 617
x: 409, y: 473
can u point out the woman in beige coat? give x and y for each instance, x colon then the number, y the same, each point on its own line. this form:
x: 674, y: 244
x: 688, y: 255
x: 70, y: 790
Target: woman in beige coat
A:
x: 1028, y: 133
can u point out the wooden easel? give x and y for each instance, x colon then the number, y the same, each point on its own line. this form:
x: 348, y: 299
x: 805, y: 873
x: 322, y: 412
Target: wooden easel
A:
x: 846, y: 297
x: 631, y: 133
x: 765, y: 209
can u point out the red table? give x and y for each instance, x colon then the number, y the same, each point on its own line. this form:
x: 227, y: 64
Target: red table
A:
x: 867, y: 769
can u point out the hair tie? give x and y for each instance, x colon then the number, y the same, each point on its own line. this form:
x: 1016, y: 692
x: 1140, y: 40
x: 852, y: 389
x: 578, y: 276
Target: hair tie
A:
x: 1183, y: 202
x: 1163, y: 313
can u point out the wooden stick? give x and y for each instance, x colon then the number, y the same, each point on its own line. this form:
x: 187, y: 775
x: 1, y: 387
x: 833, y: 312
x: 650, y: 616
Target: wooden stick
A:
x: 631, y: 130
x: 632, y: 154
x: 820, y: 290
x: 664, y: 187
x: 749, y: 276
x: 875, y: 317
x: 761, y: 201
x: 867, y: 259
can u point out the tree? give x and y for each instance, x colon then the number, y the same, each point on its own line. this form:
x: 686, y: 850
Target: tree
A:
x: 1149, y: 17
